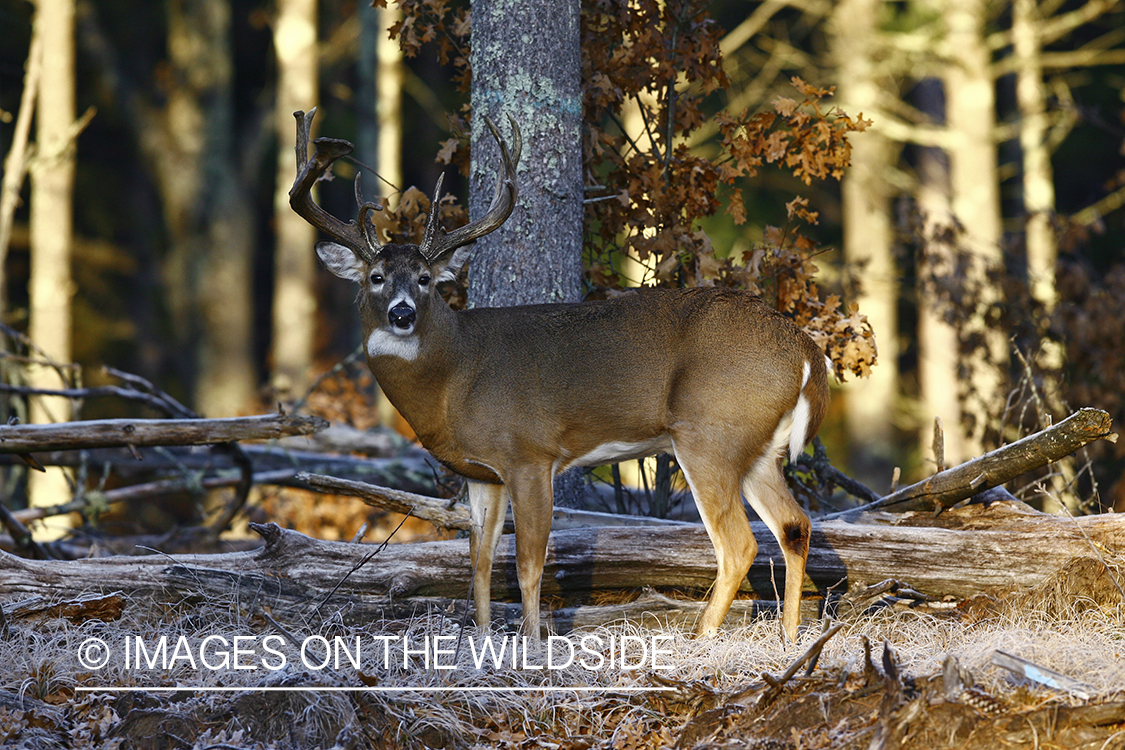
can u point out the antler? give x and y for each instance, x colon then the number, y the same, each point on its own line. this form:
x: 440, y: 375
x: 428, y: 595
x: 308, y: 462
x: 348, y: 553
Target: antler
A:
x: 436, y: 242
x: 358, y: 237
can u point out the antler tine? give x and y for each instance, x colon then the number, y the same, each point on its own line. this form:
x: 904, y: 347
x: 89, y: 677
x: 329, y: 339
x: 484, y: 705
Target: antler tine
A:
x: 437, y: 243
x: 365, y: 207
x: 432, y: 221
x: 328, y: 150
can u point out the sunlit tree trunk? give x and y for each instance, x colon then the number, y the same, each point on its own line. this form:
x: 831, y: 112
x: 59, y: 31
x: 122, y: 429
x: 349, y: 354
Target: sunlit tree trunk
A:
x: 938, y: 347
x: 1038, y: 179
x: 975, y: 190
x: 294, y: 301
x: 1039, y: 207
x: 537, y: 255
x: 389, y: 79
x: 52, y: 229
x: 871, y: 403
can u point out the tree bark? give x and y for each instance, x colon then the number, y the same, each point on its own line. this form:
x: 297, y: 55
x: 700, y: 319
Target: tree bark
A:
x: 209, y: 268
x: 937, y: 338
x: 1038, y: 178
x: 526, y: 63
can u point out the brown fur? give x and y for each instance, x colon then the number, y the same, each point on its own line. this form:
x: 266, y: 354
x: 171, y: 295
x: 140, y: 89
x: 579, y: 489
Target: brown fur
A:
x: 515, y: 395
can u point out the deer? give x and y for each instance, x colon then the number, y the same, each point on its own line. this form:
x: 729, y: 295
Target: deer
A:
x: 509, y: 397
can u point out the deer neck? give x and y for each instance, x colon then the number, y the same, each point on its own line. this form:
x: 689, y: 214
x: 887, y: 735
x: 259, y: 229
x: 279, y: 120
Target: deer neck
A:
x: 417, y: 386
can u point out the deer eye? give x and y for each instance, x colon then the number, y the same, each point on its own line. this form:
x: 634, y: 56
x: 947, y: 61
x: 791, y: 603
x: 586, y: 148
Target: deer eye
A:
x: 376, y: 277
x: 423, y: 280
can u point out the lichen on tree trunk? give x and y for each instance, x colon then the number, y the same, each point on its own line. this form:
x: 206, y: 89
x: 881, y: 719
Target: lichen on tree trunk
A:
x: 526, y: 63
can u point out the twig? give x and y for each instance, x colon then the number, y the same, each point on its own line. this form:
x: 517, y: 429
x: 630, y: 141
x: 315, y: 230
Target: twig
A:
x: 243, y: 487
x: 293, y: 640
x: 15, y: 163
x: 21, y: 535
x: 337, y: 368
x: 811, y: 653
x: 101, y: 391
x: 939, y: 445
x: 366, y: 558
x: 170, y: 404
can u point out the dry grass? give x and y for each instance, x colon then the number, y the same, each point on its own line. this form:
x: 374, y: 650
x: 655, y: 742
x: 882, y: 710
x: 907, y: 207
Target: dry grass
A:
x: 39, y: 660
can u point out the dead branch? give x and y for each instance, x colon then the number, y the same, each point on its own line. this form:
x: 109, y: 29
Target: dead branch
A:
x: 148, y: 491
x: 1001, y: 465
x: 452, y: 515
x: 447, y: 514
x: 105, y: 433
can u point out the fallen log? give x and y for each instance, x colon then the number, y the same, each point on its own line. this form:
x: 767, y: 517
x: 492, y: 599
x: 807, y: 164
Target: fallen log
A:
x: 1016, y: 549
x: 412, y: 470
x: 996, y: 467
x: 139, y: 433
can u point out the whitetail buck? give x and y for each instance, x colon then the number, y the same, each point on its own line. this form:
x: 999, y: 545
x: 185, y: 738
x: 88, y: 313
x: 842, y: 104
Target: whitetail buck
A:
x: 509, y: 397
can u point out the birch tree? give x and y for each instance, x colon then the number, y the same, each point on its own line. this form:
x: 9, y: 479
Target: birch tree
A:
x: 975, y: 190
x: 52, y: 228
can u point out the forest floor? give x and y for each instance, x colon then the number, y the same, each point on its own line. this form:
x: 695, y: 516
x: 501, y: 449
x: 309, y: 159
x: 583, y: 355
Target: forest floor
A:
x: 883, y: 681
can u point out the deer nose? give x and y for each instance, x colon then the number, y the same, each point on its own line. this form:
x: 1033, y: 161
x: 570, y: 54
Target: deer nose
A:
x: 401, y: 316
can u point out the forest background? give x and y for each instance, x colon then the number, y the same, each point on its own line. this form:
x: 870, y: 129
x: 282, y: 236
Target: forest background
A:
x: 978, y: 228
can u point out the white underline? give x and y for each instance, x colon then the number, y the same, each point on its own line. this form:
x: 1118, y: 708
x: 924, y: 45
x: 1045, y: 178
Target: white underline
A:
x: 372, y: 689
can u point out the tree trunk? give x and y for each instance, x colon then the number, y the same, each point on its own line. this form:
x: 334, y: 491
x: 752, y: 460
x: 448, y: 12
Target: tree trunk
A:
x: 294, y: 294
x: 537, y: 255
x: 937, y: 337
x: 52, y: 228
x: 870, y: 403
x: 379, y: 130
x: 975, y: 191
x: 208, y: 273
x: 1038, y: 179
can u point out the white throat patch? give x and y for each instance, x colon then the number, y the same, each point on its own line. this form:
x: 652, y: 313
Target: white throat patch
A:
x: 385, y: 343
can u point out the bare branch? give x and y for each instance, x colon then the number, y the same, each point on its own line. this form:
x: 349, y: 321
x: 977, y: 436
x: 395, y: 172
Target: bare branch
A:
x: 996, y: 467
x: 106, y: 433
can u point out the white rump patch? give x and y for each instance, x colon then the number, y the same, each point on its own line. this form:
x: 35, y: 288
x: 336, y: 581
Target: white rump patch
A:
x: 800, y: 422
x: 384, y: 343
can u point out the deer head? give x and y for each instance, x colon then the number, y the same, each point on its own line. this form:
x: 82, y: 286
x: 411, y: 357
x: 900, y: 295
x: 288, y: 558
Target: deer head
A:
x: 397, y: 281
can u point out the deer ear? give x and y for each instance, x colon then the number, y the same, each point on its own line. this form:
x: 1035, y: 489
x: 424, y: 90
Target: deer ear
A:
x: 447, y: 268
x: 341, y: 261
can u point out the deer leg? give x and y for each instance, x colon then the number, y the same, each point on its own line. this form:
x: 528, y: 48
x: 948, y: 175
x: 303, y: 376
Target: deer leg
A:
x: 769, y: 496
x: 532, y: 506
x: 487, y: 504
x: 716, y: 496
